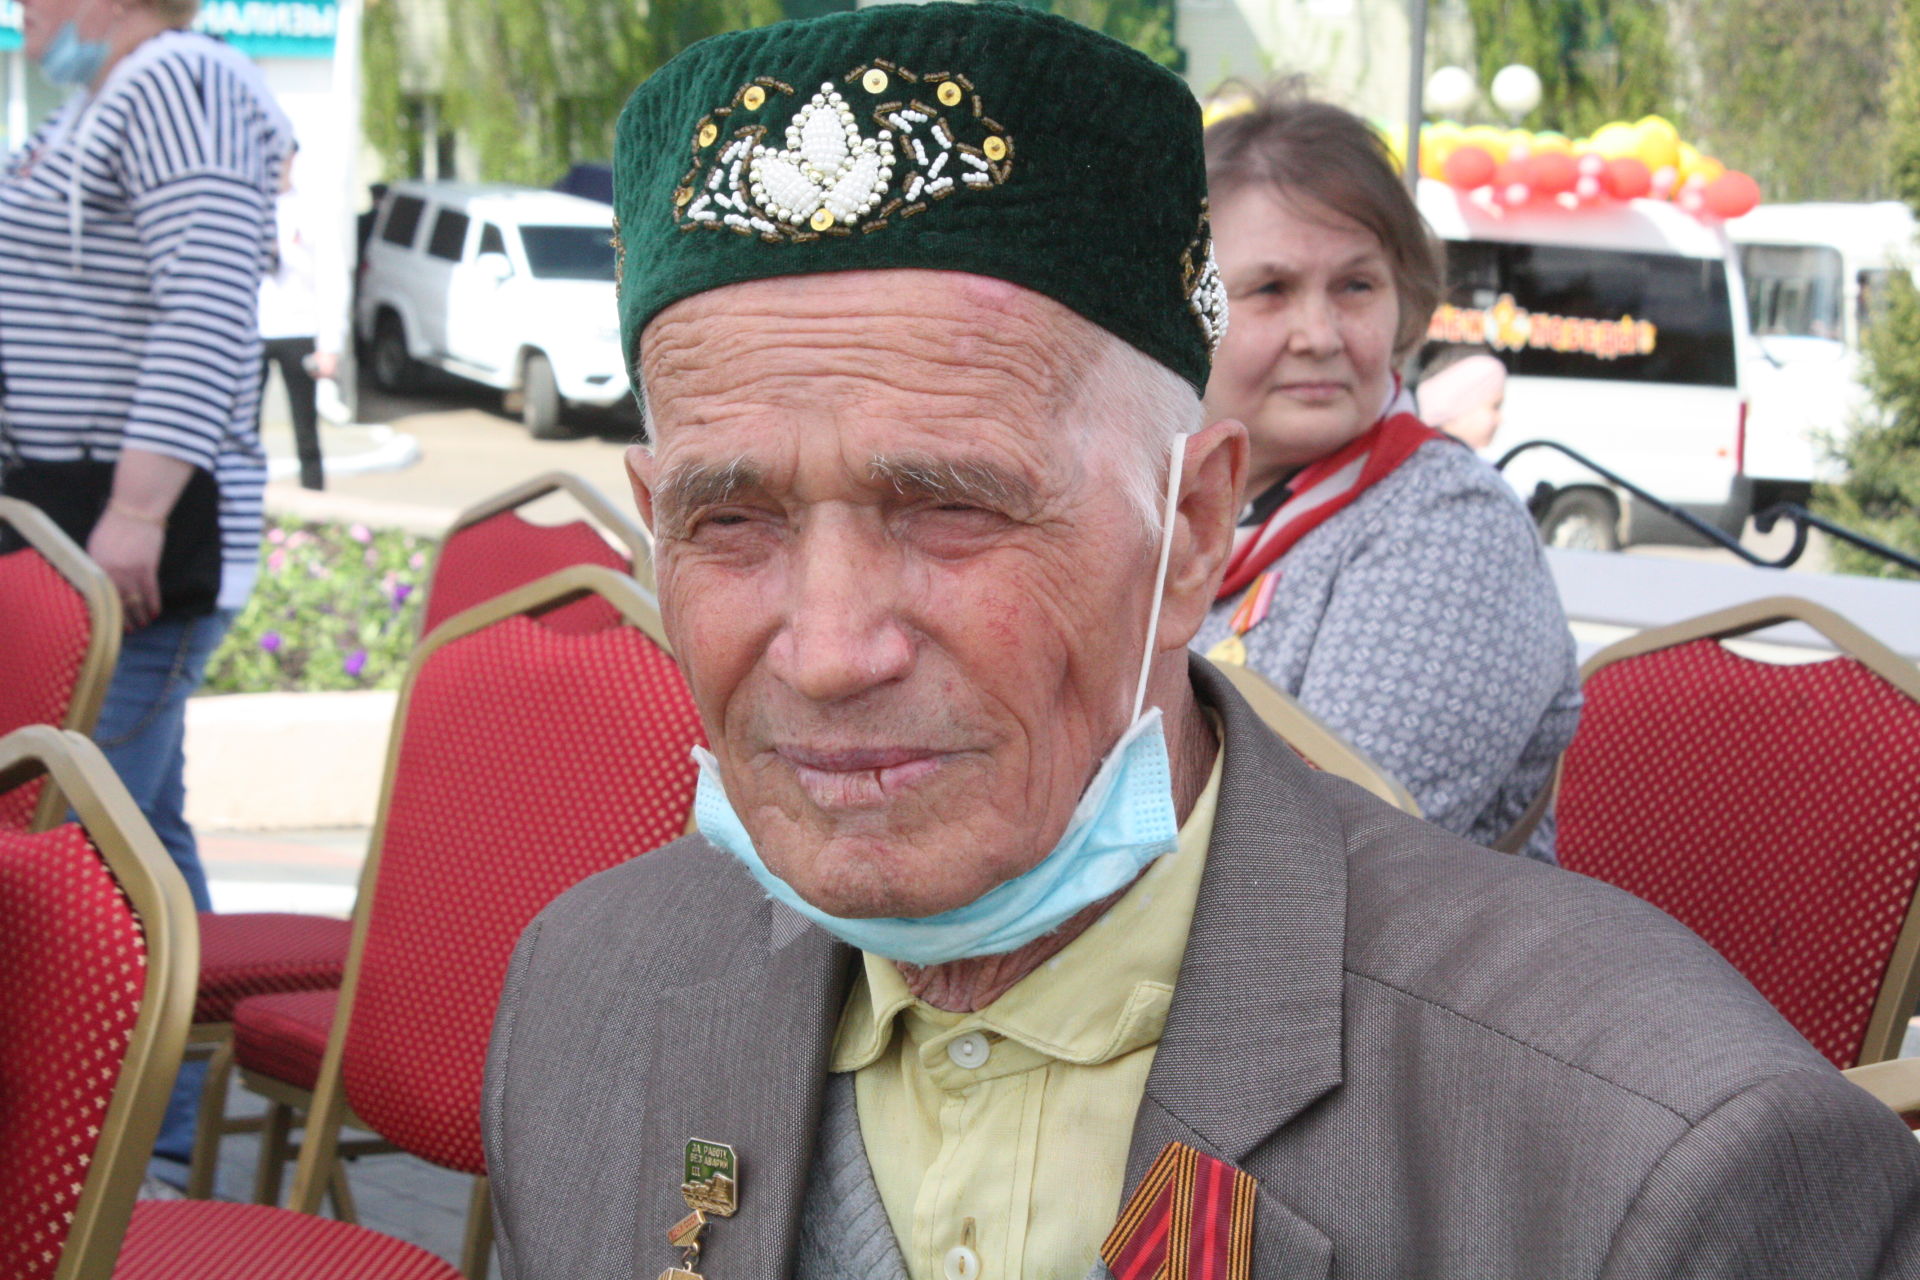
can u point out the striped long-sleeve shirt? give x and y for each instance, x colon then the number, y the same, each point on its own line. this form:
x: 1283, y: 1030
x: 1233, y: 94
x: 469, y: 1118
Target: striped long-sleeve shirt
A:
x: 134, y: 228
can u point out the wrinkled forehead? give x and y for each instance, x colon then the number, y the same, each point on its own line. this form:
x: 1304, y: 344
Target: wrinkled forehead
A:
x: 888, y: 326
x: 934, y: 367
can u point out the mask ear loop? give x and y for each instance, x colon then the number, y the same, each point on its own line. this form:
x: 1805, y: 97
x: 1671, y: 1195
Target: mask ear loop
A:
x: 1174, y: 469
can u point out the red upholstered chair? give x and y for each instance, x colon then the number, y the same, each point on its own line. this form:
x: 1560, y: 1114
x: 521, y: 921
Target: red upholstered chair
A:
x: 491, y: 549
x: 1772, y: 808
x: 98, y: 945
x: 59, y: 639
x: 524, y: 758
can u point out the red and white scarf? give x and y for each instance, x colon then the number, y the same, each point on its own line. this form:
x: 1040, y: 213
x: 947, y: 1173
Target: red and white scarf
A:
x: 1321, y: 489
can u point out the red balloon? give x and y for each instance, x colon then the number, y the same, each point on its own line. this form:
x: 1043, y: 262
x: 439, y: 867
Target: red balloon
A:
x: 1552, y: 172
x: 1468, y: 167
x: 1627, y: 178
x: 1732, y: 194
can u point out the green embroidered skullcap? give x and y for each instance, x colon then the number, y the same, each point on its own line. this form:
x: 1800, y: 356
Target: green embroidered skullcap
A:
x: 986, y: 138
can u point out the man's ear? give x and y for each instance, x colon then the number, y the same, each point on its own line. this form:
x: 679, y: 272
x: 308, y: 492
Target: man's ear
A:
x: 1213, y: 479
x: 640, y: 462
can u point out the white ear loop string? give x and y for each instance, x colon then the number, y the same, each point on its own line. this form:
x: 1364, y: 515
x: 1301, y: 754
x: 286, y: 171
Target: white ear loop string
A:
x: 1174, y: 468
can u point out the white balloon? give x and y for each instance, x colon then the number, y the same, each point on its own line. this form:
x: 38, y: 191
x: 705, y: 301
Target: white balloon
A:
x: 1450, y: 91
x: 1516, y: 89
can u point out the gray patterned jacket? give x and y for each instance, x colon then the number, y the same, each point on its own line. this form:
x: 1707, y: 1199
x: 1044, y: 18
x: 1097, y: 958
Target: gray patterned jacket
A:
x: 1421, y: 623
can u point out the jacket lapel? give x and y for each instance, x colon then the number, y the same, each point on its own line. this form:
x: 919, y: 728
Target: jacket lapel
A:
x: 1254, y: 1036
x: 741, y: 1058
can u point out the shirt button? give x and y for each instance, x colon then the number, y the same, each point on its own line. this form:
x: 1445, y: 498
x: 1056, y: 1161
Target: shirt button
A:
x: 969, y: 1051
x: 961, y: 1263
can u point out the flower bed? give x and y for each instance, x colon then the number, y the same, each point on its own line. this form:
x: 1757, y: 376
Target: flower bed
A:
x: 337, y: 607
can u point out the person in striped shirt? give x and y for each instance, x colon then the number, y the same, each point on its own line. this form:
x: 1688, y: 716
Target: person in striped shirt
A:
x: 134, y: 228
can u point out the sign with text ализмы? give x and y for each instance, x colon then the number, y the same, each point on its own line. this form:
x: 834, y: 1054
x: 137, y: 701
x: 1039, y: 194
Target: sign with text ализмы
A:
x: 258, y: 28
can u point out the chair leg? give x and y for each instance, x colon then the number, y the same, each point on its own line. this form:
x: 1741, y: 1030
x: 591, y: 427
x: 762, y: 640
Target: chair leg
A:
x: 476, y: 1248
x: 211, y: 1124
x: 341, y: 1194
x: 273, y: 1154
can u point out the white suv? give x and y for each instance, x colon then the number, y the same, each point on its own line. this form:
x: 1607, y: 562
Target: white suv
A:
x: 507, y: 286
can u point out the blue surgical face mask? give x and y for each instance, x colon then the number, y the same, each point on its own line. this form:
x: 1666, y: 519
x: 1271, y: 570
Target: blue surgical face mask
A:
x: 70, y: 60
x: 1124, y: 821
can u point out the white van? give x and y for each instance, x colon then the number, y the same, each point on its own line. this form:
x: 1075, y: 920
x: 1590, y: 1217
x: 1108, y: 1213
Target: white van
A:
x: 507, y: 286
x: 1815, y: 274
x: 1624, y: 333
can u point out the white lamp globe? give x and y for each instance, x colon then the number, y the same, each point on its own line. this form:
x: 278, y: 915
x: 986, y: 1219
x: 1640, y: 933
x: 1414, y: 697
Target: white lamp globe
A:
x: 1516, y: 90
x: 1450, y: 91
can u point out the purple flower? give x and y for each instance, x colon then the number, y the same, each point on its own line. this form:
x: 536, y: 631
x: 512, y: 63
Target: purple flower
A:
x: 401, y: 590
x: 360, y: 533
x: 356, y: 662
x: 270, y: 642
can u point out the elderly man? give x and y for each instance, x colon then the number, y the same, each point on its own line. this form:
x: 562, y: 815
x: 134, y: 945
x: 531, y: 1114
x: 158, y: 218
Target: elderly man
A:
x: 1013, y: 944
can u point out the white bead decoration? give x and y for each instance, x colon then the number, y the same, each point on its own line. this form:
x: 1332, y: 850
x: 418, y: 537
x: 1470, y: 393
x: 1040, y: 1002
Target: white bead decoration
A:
x: 822, y: 174
x: 1208, y: 300
x: 826, y: 164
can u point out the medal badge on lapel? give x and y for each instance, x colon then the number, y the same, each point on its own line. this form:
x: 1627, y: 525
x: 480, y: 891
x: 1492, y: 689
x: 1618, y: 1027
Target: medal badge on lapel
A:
x: 711, y: 1187
x: 1191, y: 1218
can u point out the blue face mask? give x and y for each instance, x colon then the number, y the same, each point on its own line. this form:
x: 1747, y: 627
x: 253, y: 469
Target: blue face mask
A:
x: 69, y: 60
x: 1124, y: 821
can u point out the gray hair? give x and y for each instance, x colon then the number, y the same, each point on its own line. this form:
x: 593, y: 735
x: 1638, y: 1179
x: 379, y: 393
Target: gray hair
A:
x: 1128, y: 393
x: 1122, y: 391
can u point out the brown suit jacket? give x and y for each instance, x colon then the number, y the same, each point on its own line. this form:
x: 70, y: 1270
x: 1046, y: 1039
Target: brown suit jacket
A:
x: 1437, y: 1060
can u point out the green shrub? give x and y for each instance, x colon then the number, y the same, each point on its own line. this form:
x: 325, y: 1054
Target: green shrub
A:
x: 337, y: 607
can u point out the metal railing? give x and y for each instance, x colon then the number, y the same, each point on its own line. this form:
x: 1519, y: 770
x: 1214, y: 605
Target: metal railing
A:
x: 1763, y: 522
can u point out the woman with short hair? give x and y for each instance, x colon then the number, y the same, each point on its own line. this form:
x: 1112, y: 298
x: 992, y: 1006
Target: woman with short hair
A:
x: 1384, y: 576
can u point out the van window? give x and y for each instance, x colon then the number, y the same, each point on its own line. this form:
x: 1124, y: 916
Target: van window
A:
x: 1794, y: 289
x: 449, y: 235
x: 491, y: 241
x: 1562, y: 311
x: 403, y: 220
x: 569, y: 253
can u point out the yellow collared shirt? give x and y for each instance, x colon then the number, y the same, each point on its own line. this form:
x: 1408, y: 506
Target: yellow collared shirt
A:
x: 1005, y: 1131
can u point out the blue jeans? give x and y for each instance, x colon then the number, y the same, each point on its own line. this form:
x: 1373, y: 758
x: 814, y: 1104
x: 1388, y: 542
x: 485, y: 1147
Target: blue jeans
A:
x: 142, y: 730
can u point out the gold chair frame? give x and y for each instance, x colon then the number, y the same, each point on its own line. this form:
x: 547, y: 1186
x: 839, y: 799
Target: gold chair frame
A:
x: 1900, y: 987
x: 326, y: 1108
x: 637, y: 541
x: 159, y: 895
x: 1317, y: 744
x: 103, y: 645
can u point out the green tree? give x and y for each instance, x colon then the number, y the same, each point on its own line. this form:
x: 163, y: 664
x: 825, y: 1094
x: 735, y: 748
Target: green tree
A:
x: 1881, y: 493
x: 1758, y: 66
x: 1598, y: 60
x: 536, y: 85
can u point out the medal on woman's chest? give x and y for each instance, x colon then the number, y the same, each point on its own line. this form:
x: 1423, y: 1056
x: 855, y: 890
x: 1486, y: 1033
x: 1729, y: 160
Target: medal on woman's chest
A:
x: 1253, y: 610
x: 711, y: 1186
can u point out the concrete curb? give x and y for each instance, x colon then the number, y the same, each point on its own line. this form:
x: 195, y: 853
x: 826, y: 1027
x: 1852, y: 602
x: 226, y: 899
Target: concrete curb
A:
x: 286, y: 761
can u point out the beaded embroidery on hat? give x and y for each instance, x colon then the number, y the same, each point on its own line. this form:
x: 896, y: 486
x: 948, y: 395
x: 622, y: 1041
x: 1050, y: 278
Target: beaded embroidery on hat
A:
x: 1200, y: 277
x: 830, y: 178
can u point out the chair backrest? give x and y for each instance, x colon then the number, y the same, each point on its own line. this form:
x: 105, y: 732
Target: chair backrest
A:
x: 99, y: 955
x: 1773, y: 809
x: 1313, y: 741
x: 491, y: 549
x: 524, y: 760
x: 59, y: 640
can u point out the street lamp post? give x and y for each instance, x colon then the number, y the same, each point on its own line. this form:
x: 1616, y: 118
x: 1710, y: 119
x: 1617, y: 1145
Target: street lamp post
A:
x: 1416, y: 86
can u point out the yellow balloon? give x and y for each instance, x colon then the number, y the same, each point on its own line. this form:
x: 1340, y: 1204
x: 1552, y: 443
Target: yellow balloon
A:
x: 1658, y: 147
x: 1659, y: 125
x: 1489, y: 139
x: 1437, y: 142
x: 1616, y: 140
x: 1552, y: 144
x: 1708, y: 168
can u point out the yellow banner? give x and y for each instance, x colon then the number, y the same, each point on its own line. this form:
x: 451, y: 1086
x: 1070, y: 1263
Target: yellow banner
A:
x: 1507, y: 326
